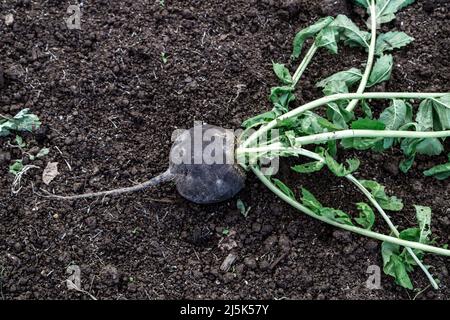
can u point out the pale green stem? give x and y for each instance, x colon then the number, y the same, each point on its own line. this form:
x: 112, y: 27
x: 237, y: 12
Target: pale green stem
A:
x: 361, y: 231
x: 375, y: 203
x: 336, y: 135
x: 302, y: 67
x: 370, y: 58
x: 325, y: 100
x: 392, y: 227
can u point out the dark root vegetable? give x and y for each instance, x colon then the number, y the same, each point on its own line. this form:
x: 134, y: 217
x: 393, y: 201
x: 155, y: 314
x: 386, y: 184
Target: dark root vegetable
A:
x: 202, y: 164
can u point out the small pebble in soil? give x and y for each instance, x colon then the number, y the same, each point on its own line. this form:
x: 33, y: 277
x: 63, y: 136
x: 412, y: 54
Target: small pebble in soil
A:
x: 264, y: 265
x: 256, y: 227
x: 284, y: 242
x: 334, y: 7
x: 270, y: 242
x: 391, y: 167
x: 371, y: 246
x: 417, y: 185
x: 5, y: 157
x: 343, y: 236
x: 250, y: 263
x: 228, y: 277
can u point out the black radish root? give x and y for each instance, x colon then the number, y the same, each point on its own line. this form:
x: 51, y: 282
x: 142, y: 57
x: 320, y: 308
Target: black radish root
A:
x: 202, y: 164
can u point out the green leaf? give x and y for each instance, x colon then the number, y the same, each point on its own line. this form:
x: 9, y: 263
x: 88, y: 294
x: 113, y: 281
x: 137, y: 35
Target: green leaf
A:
x: 308, y: 167
x: 367, y: 110
x: 366, y: 216
x: 310, y: 201
x: 284, y: 188
x: 362, y: 3
x: 327, y: 38
x: 306, y: 33
x: 282, y: 73
x: 259, y: 119
x: 309, y: 123
x: 368, y: 124
x: 332, y: 147
x: 394, y: 117
x: 349, y: 77
x: 378, y: 192
x: 16, y: 167
x: 399, y: 271
x: 423, y: 215
x: 407, y: 163
x: 381, y: 71
x: 22, y: 121
x: 282, y: 95
x: 361, y: 143
x: 339, y: 169
x: 19, y: 142
x: 335, y: 87
x: 328, y: 125
x: 430, y: 147
x: 43, y: 152
x: 350, y: 33
x: 386, y: 9
x: 390, y: 41
x: 440, y: 172
x: 241, y: 207
x: 394, y: 265
x: 336, y: 215
x: 338, y: 115
x: 434, y: 114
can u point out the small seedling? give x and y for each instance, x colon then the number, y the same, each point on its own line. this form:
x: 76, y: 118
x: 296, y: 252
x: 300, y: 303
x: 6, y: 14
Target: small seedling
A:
x: 226, y: 232
x: 16, y: 167
x: 301, y: 129
x: 164, y: 58
x: 162, y: 3
x: 241, y: 207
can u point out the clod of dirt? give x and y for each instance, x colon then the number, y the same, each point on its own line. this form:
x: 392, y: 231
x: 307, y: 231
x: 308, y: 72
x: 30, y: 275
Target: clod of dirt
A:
x: 334, y: 7
x: 9, y: 19
x: 250, y: 263
x: 2, y: 78
x: 5, y: 157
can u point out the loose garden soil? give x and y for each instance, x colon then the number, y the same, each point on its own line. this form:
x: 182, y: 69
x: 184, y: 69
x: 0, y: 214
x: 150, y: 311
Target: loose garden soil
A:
x: 109, y: 104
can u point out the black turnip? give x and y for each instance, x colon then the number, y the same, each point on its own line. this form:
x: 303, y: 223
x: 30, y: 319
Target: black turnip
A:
x: 202, y: 165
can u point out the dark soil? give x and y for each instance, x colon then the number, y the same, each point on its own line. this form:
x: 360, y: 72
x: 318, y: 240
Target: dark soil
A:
x: 109, y: 106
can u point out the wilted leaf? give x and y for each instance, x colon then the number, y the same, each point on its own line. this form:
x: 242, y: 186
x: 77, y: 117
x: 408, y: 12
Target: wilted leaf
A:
x: 282, y: 73
x: 390, y: 41
x: 338, y: 168
x: 310, y: 201
x: 368, y: 124
x: 350, y: 33
x: 381, y: 70
x: 50, y: 172
x: 306, y: 33
x: 286, y: 190
x: 16, y: 167
x: 440, y: 172
x: 308, y: 167
x: 327, y: 38
x: 366, y: 216
x: 378, y: 192
x: 349, y: 77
